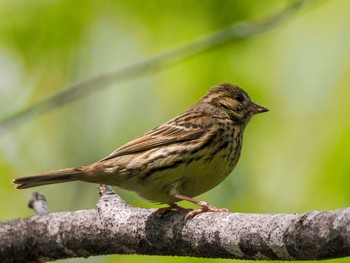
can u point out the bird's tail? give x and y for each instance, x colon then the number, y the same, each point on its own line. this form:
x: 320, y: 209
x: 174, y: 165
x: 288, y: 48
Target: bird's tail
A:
x: 54, y: 177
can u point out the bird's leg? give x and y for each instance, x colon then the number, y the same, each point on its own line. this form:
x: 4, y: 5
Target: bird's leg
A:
x: 172, y: 206
x: 205, y: 206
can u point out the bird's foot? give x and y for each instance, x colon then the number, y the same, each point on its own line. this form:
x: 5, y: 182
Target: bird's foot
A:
x: 205, y: 208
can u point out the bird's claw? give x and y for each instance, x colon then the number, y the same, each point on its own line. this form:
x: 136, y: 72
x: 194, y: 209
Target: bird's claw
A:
x: 205, y: 208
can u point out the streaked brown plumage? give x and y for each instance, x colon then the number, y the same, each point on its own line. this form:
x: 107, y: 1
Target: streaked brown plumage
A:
x: 178, y: 160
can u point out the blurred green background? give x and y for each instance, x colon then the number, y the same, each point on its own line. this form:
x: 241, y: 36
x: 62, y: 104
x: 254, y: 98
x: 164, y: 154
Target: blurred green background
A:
x: 295, y: 157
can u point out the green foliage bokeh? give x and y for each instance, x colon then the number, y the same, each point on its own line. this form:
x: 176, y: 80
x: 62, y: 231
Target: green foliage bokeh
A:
x: 295, y: 158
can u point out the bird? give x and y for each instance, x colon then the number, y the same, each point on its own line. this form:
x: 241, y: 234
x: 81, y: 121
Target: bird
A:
x: 178, y: 160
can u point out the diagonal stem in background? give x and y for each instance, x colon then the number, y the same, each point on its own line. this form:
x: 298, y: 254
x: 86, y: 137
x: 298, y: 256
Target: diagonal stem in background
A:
x: 153, y: 64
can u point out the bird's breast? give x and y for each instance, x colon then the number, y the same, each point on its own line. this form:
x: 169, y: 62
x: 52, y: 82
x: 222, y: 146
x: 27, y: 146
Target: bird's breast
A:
x: 191, y: 173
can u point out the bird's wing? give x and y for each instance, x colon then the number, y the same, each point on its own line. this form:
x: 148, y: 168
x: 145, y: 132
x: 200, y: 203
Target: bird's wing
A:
x: 168, y: 133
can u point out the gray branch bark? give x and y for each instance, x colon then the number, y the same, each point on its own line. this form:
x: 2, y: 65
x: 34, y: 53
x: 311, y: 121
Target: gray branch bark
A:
x: 117, y: 228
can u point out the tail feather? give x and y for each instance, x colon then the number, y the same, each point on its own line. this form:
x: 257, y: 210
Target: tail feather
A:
x: 59, y: 176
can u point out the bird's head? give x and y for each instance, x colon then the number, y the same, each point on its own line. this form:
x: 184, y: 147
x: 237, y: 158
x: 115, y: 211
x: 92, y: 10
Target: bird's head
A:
x: 229, y: 100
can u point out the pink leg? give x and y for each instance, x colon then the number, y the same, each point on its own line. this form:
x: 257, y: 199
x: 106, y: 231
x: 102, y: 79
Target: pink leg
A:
x: 205, y: 206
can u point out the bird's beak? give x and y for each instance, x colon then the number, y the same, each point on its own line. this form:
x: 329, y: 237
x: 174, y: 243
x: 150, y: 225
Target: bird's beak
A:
x: 255, y: 108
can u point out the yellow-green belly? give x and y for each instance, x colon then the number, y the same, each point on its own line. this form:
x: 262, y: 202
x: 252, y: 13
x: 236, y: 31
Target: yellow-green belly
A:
x: 169, y: 174
x: 187, y: 178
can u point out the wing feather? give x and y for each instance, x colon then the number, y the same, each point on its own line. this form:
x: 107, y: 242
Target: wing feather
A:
x: 174, y: 131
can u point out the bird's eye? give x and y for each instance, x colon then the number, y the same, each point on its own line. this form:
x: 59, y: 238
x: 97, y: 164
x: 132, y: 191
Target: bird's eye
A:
x: 239, y: 98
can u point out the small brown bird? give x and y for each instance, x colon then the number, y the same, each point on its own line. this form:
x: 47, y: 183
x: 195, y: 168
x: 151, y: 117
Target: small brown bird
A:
x: 178, y: 160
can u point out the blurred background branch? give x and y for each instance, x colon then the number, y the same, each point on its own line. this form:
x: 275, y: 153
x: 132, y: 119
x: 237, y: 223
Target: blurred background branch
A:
x: 94, y: 84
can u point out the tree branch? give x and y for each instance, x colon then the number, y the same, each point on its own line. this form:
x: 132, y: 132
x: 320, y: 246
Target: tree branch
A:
x: 153, y: 64
x: 117, y: 228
